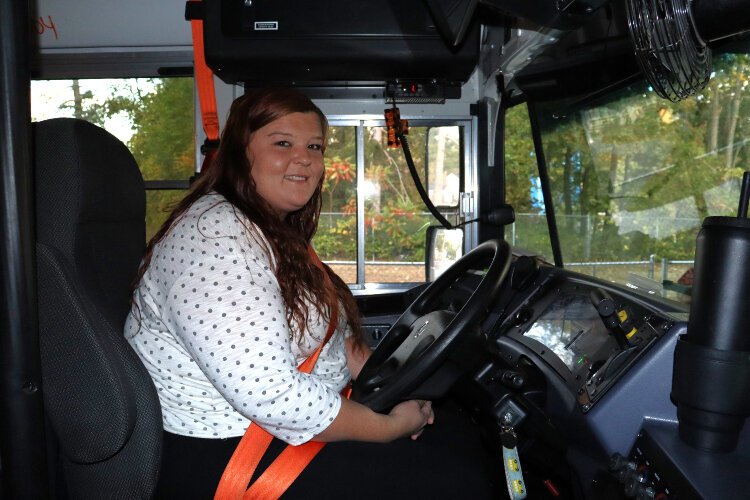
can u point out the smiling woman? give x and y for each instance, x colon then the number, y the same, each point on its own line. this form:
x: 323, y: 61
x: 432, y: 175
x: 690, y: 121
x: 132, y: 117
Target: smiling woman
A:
x: 287, y: 160
x: 232, y: 300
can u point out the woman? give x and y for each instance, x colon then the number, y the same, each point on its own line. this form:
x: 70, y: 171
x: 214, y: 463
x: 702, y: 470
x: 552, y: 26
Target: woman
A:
x: 229, y: 302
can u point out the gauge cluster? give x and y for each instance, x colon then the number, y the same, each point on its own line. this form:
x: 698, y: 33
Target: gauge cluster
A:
x: 585, y: 331
x: 562, y: 325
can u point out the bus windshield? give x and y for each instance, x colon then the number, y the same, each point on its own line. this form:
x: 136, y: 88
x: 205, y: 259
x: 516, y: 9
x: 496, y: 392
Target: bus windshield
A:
x: 633, y: 176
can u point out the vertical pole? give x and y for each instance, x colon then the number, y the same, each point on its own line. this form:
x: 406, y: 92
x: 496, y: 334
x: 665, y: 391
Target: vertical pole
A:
x: 360, y: 204
x: 744, y: 196
x: 22, y: 442
x: 587, y: 250
x: 549, y: 208
x: 652, y: 266
x: 490, y: 167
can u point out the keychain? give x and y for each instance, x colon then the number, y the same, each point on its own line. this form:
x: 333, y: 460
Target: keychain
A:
x: 512, y: 463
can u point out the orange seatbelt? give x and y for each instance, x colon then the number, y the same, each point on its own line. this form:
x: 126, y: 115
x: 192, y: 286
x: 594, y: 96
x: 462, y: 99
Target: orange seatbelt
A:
x: 204, y: 80
x: 277, y: 478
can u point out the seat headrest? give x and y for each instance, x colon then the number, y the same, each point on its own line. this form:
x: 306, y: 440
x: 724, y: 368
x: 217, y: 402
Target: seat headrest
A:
x: 90, y: 205
x: 87, y: 174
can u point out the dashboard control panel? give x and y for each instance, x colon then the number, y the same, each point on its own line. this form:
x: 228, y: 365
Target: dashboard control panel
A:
x: 587, y: 335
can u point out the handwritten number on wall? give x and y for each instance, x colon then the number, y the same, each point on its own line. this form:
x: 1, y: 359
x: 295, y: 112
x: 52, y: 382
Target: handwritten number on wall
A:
x: 44, y: 24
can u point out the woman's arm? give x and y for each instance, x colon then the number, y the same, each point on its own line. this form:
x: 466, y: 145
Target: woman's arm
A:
x: 356, y: 422
x: 356, y: 356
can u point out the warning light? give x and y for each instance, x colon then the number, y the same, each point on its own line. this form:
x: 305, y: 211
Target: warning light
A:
x: 413, y: 91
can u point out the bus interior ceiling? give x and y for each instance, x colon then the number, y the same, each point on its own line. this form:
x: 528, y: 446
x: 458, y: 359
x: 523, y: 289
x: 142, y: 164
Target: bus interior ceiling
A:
x: 460, y: 62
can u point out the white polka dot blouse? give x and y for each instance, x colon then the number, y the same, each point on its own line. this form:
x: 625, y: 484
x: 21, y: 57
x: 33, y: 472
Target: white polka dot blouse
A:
x: 209, y: 323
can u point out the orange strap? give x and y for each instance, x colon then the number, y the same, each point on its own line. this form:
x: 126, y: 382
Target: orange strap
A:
x: 204, y: 80
x: 292, y: 461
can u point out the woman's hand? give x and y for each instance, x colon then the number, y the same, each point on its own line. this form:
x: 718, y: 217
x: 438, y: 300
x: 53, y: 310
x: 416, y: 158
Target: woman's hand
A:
x: 411, y: 417
x: 356, y: 422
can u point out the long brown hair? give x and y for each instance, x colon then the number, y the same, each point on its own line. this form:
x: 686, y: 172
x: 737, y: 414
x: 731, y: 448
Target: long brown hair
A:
x: 229, y: 175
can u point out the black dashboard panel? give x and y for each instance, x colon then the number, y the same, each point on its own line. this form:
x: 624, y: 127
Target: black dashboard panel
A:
x: 571, y: 328
x: 560, y: 324
x: 577, y: 380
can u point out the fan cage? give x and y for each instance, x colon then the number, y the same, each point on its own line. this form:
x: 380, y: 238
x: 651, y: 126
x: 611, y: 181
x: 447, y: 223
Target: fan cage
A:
x: 669, y: 48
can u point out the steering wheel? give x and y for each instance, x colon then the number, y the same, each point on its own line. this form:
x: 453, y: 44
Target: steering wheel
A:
x: 423, y: 336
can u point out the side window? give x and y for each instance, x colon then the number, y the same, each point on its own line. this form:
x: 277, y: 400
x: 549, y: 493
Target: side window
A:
x: 396, y: 219
x: 444, y: 160
x: 153, y: 116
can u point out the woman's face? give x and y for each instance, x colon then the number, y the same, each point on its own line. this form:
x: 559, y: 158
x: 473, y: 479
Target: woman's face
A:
x: 286, y: 158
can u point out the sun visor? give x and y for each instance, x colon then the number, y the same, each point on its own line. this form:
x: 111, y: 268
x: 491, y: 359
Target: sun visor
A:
x: 334, y: 44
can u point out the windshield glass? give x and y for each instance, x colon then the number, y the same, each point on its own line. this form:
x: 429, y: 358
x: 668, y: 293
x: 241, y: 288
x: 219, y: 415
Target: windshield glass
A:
x: 632, y: 178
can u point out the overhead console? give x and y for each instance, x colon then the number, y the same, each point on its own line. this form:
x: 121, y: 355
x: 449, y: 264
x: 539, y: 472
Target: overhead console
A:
x: 354, y: 48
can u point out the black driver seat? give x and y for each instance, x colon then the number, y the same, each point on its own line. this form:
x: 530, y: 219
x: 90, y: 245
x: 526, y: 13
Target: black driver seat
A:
x: 99, y: 400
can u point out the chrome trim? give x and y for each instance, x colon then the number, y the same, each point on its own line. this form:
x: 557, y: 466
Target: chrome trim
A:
x: 360, y: 204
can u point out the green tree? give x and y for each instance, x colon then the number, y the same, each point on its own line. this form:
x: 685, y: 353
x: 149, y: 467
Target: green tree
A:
x: 162, y: 117
x: 163, y: 143
x: 619, y: 164
x: 336, y: 236
x: 520, y: 161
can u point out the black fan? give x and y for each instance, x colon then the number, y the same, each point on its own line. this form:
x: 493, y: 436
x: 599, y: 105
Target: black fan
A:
x: 673, y: 39
x: 671, y: 51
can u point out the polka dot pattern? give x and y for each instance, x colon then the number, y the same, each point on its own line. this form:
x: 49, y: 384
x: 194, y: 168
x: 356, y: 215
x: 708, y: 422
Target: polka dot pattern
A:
x: 214, y: 337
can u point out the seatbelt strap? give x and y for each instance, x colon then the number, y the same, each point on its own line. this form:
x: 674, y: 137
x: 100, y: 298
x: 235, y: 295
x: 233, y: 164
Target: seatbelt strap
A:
x: 277, y: 478
x: 204, y: 81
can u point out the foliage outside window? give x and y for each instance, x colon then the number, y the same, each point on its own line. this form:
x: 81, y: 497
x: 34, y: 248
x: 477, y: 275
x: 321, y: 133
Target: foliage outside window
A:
x: 336, y: 239
x: 153, y: 117
x: 529, y: 232
x: 395, y: 219
x: 634, y: 177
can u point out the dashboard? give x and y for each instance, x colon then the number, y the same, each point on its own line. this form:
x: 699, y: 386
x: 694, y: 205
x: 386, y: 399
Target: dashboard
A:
x: 589, y: 361
x: 590, y: 365
x: 562, y: 324
x: 581, y: 369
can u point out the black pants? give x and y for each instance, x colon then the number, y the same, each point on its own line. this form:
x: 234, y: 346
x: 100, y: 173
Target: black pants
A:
x: 447, y: 461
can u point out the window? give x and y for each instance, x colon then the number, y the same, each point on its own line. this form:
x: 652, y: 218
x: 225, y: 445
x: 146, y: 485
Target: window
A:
x: 373, y: 224
x: 380, y: 235
x: 529, y: 232
x: 336, y: 239
x: 153, y: 116
x: 634, y: 176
